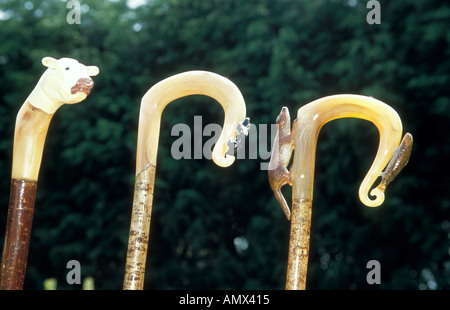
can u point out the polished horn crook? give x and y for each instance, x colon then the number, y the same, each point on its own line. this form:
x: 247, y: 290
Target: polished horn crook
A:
x: 303, y: 138
x: 152, y: 105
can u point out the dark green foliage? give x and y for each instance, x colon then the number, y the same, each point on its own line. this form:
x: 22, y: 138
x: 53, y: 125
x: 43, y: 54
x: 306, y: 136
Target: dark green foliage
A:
x: 219, y: 228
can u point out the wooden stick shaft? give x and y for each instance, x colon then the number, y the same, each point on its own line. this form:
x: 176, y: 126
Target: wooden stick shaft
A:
x: 139, y: 229
x: 299, y: 245
x: 17, y: 239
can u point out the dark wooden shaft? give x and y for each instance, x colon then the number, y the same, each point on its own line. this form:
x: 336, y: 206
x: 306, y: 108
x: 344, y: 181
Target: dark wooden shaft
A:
x: 18, y: 232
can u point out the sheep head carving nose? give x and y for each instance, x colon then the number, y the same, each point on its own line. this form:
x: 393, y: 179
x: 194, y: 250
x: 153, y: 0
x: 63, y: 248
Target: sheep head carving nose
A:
x: 83, y: 85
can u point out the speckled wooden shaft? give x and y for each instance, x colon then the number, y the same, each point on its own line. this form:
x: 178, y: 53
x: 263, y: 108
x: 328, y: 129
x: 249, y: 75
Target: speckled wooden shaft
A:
x: 139, y: 229
x: 17, y: 239
x: 299, y: 244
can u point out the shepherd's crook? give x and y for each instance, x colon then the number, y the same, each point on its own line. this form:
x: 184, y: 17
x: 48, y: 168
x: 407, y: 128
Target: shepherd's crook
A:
x: 152, y: 105
x: 65, y: 81
x: 310, y: 119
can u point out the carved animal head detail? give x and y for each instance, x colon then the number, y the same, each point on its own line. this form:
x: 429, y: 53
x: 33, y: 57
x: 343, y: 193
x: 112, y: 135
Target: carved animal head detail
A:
x: 67, y: 80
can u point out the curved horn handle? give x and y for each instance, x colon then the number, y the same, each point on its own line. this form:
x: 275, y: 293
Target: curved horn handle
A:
x: 314, y: 115
x: 185, y: 84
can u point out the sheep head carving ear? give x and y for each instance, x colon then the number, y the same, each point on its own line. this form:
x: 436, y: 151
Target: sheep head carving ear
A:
x: 92, y: 70
x: 49, y: 62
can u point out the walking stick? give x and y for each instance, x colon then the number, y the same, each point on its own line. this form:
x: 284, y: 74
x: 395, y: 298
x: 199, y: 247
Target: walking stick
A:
x: 152, y: 105
x: 65, y: 81
x: 310, y: 119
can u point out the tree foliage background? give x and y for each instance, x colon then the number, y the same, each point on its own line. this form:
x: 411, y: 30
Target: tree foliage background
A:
x: 222, y: 228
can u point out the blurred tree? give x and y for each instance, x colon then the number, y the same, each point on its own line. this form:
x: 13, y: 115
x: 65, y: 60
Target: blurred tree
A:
x: 221, y: 228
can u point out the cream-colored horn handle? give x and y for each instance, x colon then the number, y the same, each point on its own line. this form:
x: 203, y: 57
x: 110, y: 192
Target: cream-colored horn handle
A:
x: 314, y: 115
x: 66, y: 81
x: 185, y: 84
